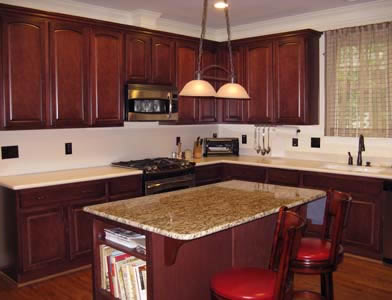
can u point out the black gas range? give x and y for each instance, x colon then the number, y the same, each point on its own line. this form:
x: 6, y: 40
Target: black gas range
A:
x: 162, y: 174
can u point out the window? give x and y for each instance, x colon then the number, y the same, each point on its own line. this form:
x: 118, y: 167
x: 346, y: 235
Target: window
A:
x: 359, y: 81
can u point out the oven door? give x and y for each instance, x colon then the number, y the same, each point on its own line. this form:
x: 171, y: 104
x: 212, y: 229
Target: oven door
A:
x: 169, y: 184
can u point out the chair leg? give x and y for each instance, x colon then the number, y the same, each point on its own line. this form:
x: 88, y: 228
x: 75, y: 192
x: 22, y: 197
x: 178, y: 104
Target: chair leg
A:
x: 322, y: 284
x: 329, y: 286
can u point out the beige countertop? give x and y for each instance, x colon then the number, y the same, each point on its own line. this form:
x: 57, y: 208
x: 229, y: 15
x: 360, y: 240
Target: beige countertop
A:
x: 26, y: 181
x: 297, y: 164
x: 200, y: 211
x: 18, y: 182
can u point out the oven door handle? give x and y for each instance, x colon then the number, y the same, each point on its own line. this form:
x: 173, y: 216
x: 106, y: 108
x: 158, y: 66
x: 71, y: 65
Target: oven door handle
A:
x: 169, y: 96
x: 154, y: 185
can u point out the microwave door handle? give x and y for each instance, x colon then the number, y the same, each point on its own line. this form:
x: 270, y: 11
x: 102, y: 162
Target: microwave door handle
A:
x: 169, y: 96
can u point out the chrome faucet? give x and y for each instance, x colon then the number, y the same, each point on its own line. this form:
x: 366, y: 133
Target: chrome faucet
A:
x: 361, y: 147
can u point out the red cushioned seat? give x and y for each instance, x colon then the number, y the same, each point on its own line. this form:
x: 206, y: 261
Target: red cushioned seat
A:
x: 315, y: 249
x: 245, y: 283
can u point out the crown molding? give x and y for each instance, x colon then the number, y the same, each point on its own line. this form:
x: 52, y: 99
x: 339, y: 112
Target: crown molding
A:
x: 353, y: 15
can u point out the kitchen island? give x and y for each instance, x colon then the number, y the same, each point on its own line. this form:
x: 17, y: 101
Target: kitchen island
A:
x: 192, y: 234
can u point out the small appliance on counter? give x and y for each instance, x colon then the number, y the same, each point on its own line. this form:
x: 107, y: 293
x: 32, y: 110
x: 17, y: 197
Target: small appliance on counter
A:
x: 221, y: 146
x: 147, y: 102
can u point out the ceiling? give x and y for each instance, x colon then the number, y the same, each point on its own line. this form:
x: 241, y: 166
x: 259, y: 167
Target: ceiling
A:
x: 241, y: 11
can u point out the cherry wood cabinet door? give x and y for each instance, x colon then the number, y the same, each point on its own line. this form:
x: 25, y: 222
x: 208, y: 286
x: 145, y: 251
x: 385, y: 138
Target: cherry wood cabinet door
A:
x: 25, y: 67
x: 107, y: 77
x: 163, y: 61
x: 138, y: 57
x: 80, y: 228
x: 290, y: 80
x: 186, y: 65
x: 207, y: 106
x: 69, y: 54
x: 43, y: 238
x: 234, y: 110
x: 259, y: 78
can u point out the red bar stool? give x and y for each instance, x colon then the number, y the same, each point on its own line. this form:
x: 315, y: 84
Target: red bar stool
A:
x: 262, y: 284
x: 321, y: 256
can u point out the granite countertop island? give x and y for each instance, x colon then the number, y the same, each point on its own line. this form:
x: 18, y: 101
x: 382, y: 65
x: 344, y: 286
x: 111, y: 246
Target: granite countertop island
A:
x: 197, y: 212
x: 191, y: 234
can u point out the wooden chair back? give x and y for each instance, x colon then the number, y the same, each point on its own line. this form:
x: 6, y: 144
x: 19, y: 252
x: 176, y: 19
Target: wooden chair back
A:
x: 289, y: 230
x: 337, y: 210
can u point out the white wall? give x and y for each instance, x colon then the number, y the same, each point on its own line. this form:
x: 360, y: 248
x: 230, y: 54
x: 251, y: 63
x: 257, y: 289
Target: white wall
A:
x: 44, y: 150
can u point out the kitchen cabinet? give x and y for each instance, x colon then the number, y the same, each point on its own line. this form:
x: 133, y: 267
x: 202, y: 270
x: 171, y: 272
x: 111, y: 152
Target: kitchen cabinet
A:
x: 53, y: 233
x: 150, y: 59
x: 25, y: 72
x: 208, y: 106
x: 242, y: 172
x: 259, y: 81
x: 234, y: 111
x: 138, y: 57
x: 362, y: 235
x: 43, y: 238
x: 296, y: 70
x: 186, y: 64
x: 69, y: 55
x: 163, y: 61
x: 208, y: 174
x: 107, y: 82
x: 283, y: 177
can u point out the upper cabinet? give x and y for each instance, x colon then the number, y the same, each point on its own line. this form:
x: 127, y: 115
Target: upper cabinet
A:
x: 138, y: 57
x: 186, y: 67
x: 69, y: 54
x: 107, y: 83
x: 25, y: 72
x: 259, y: 79
x: 207, y: 106
x: 150, y: 59
x: 296, y: 71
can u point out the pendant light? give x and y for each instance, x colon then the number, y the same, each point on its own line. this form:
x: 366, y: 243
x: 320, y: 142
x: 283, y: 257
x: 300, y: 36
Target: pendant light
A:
x: 202, y: 88
x: 199, y: 87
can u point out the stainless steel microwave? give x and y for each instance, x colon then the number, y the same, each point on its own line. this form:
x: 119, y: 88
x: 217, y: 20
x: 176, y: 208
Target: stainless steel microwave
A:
x: 147, y: 102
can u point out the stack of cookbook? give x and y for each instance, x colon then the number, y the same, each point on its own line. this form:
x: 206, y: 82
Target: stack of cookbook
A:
x: 123, y: 275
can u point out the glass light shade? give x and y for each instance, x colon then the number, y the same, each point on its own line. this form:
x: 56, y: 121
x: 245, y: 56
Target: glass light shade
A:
x: 198, y: 88
x: 220, y: 4
x: 233, y: 91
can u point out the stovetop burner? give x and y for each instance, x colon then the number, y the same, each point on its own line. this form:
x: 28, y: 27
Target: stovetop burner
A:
x: 156, y: 165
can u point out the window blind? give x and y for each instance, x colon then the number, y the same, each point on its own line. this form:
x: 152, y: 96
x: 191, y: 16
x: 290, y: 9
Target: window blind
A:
x: 359, y: 81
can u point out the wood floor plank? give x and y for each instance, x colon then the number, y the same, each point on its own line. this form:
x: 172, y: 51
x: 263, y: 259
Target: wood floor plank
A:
x: 356, y: 279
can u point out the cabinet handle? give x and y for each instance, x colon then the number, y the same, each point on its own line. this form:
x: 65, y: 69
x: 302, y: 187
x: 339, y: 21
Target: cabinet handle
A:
x: 40, y: 197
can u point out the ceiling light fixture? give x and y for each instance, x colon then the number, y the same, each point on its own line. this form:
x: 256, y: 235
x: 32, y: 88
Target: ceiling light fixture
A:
x: 221, y: 4
x: 202, y: 88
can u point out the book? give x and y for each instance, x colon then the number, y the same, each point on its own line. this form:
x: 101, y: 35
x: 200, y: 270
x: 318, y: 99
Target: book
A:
x: 112, y: 259
x: 106, y: 251
x: 120, y: 276
x: 126, y: 238
x: 141, y: 287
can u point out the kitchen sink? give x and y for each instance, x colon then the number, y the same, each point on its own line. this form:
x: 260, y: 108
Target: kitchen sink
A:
x: 362, y: 169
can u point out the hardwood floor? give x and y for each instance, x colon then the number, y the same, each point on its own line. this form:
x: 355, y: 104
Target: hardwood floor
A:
x: 356, y: 279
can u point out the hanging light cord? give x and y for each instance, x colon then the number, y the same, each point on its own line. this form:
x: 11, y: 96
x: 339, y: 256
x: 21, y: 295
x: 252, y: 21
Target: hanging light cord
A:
x: 227, y: 17
x: 202, y: 35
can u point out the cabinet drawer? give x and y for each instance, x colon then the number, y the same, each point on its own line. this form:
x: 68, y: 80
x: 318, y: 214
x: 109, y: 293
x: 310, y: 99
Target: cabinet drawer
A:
x: 247, y: 173
x: 125, y: 187
x: 284, y: 177
x: 56, y: 194
x: 359, y: 185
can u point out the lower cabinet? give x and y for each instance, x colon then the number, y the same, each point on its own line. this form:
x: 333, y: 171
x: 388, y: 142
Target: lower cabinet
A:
x: 53, y: 233
x: 43, y: 238
x: 208, y: 174
x: 247, y: 173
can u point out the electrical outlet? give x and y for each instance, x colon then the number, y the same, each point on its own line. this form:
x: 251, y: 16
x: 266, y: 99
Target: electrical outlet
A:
x: 295, y: 142
x: 178, y: 140
x: 244, y: 139
x: 214, y: 135
x: 8, y: 152
x: 315, y: 142
x: 68, y: 148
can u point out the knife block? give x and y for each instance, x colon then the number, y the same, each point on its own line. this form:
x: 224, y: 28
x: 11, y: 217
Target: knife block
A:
x: 197, y: 150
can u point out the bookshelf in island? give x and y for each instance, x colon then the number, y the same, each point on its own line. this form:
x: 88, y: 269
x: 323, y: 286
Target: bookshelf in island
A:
x: 189, y: 235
